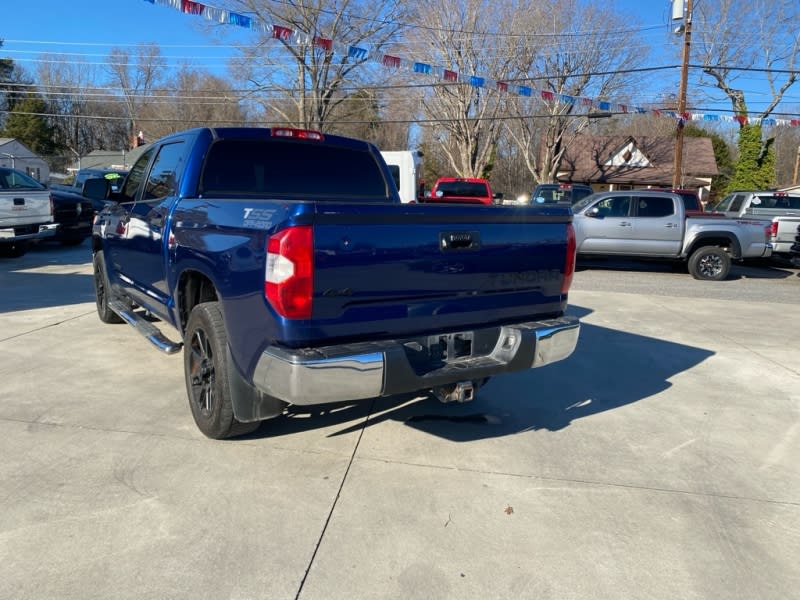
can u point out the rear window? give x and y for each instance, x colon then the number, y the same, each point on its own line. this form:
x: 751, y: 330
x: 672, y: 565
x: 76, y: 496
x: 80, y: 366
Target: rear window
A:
x: 560, y: 193
x: 690, y: 201
x: 771, y: 201
x: 464, y: 189
x: 11, y: 179
x: 292, y: 168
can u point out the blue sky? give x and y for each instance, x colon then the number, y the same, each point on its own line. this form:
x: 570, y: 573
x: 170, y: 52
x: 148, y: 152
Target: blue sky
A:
x: 91, y: 28
x: 87, y: 30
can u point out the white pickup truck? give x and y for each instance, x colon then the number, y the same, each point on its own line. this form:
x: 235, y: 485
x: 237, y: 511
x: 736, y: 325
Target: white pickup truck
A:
x: 26, y: 211
x: 780, y: 209
x: 651, y: 224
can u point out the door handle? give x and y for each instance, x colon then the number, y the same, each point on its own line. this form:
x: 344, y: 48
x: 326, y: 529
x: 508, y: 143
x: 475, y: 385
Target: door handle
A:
x: 671, y: 225
x: 625, y: 224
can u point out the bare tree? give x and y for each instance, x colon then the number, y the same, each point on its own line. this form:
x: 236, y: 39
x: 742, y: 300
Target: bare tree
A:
x: 136, y: 75
x: 735, y: 37
x: 373, y: 115
x: 192, y: 98
x: 312, y: 55
x: 72, y: 97
x: 470, y: 45
x: 575, y: 50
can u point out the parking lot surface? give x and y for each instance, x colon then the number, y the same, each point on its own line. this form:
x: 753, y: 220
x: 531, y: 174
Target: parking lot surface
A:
x: 659, y: 461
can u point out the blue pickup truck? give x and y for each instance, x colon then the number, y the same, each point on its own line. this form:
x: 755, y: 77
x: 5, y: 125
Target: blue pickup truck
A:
x: 293, y: 275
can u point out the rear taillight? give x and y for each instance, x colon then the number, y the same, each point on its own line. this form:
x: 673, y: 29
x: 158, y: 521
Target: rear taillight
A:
x: 52, y: 206
x: 289, y: 277
x: 569, y: 261
x: 772, y: 230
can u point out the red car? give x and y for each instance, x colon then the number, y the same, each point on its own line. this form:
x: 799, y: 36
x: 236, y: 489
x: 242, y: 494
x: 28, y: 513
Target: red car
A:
x: 462, y: 190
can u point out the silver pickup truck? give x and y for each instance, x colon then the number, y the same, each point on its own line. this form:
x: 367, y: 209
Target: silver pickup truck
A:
x: 780, y: 209
x: 26, y: 211
x: 652, y: 224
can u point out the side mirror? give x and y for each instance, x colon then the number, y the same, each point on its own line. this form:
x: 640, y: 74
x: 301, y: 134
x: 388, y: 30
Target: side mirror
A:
x: 593, y: 212
x: 498, y: 195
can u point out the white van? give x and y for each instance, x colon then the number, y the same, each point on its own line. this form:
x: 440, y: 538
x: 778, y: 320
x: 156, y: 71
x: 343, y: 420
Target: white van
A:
x: 406, y: 168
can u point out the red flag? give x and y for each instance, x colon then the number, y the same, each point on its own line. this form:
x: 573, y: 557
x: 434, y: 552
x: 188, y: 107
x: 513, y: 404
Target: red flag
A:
x: 192, y: 8
x: 281, y: 33
x: 323, y: 43
x: 391, y: 61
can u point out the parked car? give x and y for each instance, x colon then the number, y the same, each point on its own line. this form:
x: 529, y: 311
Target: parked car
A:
x: 74, y: 215
x: 294, y: 274
x: 780, y: 210
x: 650, y: 224
x: 570, y: 193
x: 115, y: 177
x: 462, y: 190
x: 26, y: 212
x: 406, y: 169
x: 764, y: 204
x: 794, y: 250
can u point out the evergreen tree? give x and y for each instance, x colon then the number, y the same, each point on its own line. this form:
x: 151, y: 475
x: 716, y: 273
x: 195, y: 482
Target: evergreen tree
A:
x: 755, y: 167
x: 27, y: 124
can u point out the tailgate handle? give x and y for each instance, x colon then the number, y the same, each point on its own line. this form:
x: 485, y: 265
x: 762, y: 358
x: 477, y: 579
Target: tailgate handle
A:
x: 459, y: 240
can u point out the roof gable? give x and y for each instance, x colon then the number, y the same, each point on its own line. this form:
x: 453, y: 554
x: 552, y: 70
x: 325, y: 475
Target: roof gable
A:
x: 628, y: 155
x: 646, y: 160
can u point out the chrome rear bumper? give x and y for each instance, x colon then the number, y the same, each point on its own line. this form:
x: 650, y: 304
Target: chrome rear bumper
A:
x: 384, y: 368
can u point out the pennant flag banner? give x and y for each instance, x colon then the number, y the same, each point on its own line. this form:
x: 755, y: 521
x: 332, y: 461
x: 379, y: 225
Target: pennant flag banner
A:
x: 287, y: 35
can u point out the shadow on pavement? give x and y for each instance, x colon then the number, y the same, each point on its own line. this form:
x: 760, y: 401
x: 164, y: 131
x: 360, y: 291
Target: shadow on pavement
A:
x: 27, y: 284
x: 609, y: 369
x: 26, y: 291
x: 761, y: 268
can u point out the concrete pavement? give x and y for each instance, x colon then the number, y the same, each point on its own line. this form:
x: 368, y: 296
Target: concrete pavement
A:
x: 659, y: 461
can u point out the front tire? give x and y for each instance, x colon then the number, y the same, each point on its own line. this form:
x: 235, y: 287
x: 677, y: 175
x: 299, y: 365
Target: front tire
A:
x: 710, y: 263
x: 102, y: 290
x: 208, y: 373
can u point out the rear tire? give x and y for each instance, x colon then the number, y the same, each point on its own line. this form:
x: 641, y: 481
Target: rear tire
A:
x: 710, y: 263
x: 72, y: 241
x: 14, y: 249
x: 102, y: 290
x: 208, y: 373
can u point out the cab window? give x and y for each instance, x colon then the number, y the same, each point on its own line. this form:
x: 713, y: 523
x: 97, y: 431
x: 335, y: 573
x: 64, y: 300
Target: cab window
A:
x: 655, y: 206
x: 614, y: 206
x: 135, y: 177
x: 162, y: 181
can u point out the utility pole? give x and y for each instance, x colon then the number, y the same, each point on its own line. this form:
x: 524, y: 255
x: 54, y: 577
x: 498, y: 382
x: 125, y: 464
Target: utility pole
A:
x: 677, y: 175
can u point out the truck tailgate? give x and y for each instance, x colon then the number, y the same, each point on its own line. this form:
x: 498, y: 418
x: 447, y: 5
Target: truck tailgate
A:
x: 24, y: 207
x: 398, y: 270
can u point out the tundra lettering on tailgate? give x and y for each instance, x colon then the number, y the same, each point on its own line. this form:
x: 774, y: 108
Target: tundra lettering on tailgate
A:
x: 515, y: 278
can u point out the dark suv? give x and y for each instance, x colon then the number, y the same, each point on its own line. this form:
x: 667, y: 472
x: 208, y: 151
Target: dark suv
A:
x: 794, y: 251
x: 568, y: 193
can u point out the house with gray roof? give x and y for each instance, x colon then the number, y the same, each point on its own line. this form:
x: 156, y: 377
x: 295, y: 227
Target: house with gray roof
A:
x: 17, y: 155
